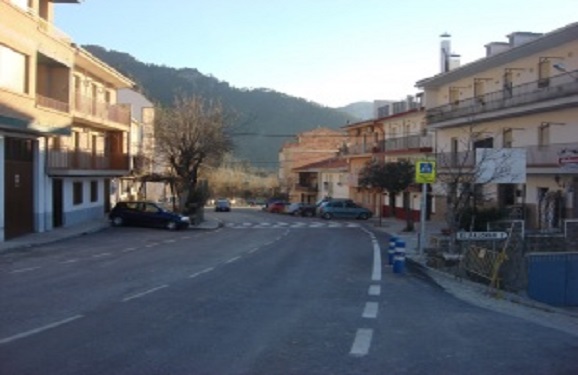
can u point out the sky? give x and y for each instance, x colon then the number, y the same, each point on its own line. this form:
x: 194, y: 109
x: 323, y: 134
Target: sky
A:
x: 332, y: 52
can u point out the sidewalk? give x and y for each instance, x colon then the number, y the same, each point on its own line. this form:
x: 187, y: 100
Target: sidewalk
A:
x: 58, y: 234
x: 473, y: 292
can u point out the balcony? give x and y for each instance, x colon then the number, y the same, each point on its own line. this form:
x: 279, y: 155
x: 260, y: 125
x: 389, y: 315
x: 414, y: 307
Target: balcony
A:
x: 85, y: 162
x: 55, y: 104
x: 98, y: 111
x: 510, y: 97
x: 548, y: 156
x: 411, y: 143
x: 455, y: 161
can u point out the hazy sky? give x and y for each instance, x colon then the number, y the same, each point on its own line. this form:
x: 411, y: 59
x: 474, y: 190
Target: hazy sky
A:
x: 333, y: 52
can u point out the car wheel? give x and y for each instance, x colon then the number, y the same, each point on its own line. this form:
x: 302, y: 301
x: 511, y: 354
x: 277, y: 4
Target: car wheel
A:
x: 117, y: 221
x: 171, y: 225
x: 327, y: 216
x: 363, y: 216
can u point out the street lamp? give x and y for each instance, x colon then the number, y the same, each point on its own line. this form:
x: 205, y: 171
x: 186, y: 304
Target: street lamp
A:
x: 561, y: 68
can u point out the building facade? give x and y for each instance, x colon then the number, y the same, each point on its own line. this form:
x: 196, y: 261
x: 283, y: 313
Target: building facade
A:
x: 63, y: 135
x: 522, y: 96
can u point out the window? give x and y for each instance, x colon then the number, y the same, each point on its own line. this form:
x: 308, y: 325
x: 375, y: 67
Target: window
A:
x: 544, y: 135
x: 93, y: 191
x: 507, y: 138
x: 508, y: 84
x: 454, y: 95
x: 13, y: 70
x: 77, y: 193
x: 544, y: 72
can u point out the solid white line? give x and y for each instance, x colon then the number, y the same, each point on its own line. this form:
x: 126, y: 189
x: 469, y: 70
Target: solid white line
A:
x: 101, y: 255
x: 370, y: 311
x: 201, y: 272
x: 376, y: 274
x: 374, y: 290
x: 253, y: 250
x: 25, y: 270
x: 152, y: 244
x: 144, y: 293
x: 38, y: 330
x: 233, y: 259
x: 362, y: 342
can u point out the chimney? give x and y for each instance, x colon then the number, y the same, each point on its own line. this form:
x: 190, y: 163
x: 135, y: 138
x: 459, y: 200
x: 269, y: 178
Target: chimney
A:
x: 494, y: 48
x: 445, y: 53
x: 518, y: 38
x: 454, y: 61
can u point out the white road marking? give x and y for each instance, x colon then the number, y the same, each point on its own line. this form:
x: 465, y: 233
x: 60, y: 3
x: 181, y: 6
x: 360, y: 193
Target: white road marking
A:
x: 362, y: 342
x: 100, y: 255
x: 374, y: 290
x: 253, y: 250
x: 185, y: 237
x: 233, y: 259
x: 70, y: 261
x: 206, y: 270
x: 152, y: 244
x: 169, y: 241
x: 376, y: 274
x: 38, y: 330
x: 144, y: 293
x: 129, y: 249
x: 25, y: 270
x: 371, y: 310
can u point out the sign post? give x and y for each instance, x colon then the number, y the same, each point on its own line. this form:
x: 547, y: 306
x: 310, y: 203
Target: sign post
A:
x: 425, y: 173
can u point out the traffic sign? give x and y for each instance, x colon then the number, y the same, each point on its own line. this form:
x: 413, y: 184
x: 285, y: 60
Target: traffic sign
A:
x: 481, y: 236
x: 425, y: 172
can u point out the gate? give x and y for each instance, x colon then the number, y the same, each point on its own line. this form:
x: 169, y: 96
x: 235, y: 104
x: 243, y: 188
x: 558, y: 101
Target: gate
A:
x: 19, y: 187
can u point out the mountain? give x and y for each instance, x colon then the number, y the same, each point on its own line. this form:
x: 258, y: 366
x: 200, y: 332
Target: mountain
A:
x: 266, y: 118
x: 359, y: 110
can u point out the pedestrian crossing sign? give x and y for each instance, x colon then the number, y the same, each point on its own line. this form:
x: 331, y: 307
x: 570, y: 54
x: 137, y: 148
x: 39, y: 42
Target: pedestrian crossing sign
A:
x: 425, y: 172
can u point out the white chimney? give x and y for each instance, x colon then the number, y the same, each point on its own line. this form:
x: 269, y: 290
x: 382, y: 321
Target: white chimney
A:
x: 454, y: 61
x: 494, y: 48
x: 519, y: 38
x: 445, y: 53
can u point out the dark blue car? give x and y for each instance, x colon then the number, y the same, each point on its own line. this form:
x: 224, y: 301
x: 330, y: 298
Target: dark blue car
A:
x: 146, y: 214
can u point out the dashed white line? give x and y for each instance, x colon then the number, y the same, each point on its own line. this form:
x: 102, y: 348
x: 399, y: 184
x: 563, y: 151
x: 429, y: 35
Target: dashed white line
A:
x: 38, y: 330
x: 374, y: 290
x: 101, y: 255
x: 370, y: 311
x: 376, y: 274
x: 169, y: 241
x: 69, y: 261
x: 185, y: 237
x: 253, y: 250
x: 152, y: 245
x: 128, y: 249
x: 233, y: 259
x: 21, y: 270
x: 362, y: 342
x: 201, y: 272
x: 138, y: 295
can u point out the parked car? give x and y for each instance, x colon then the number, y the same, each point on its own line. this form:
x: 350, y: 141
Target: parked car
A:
x: 301, y: 209
x: 147, y: 214
x: 343, y: 209
x: 277, y: 207
x: 222, y: 205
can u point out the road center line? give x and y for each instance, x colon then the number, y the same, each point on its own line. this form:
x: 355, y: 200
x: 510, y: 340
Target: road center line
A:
x: 362, y: 342
x: 206, y: 270
x: 370, y: 311
x: 128, y: 249
x: 253, y: 250
x: 25, y: 270
x: 144, y: 293
x: 374, y: 290
x: 69, y: 261
x: 101, y: 255
x: 38, y: 330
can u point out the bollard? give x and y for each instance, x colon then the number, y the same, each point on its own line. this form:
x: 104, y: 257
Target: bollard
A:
x: 391, y: 250
x: 399, y: 257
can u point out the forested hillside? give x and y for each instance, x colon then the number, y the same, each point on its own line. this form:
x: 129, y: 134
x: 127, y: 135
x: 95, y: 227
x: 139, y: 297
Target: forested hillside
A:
x: 264, y: 116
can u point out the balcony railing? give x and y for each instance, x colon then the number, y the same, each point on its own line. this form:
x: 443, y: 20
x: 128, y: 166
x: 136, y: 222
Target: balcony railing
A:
x: 537, y: 156
x: 65, y: 159
x: 112, y: 112
x: 555, y: 87
x: 51, y: 103
x: 409, y: 143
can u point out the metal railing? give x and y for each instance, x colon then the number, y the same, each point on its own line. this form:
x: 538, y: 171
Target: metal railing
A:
x: 65, y: 159
x: 547, y: 155
x: 558, y: 86
x: 112, y: 112
x: 408, y: 143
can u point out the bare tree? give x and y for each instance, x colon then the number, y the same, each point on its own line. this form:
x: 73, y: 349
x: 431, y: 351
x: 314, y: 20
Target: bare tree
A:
x: 191, y: 132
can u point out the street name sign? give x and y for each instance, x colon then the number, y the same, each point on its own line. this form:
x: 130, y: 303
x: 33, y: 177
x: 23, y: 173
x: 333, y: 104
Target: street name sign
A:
x: 481, y: 236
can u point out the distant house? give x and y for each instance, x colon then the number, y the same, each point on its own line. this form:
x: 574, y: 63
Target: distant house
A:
x: 323, y: 179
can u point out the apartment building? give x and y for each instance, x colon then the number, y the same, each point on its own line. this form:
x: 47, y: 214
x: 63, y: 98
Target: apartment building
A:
x: 400, y: 134
x: 521, y: 102
x: 63, y: 136
x: 309, y: 147
x: 322, y: 179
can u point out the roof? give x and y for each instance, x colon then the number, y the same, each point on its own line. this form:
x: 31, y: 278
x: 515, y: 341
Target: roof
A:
x: 364, y: 123
x: 332, y: 163
x: 549, y: 40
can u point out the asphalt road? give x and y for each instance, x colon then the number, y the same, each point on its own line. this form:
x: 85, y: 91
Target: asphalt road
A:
x: 266, y: 294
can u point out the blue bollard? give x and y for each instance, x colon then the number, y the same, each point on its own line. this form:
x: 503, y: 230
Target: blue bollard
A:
x: 399, y: 257
x: 391, y: 250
